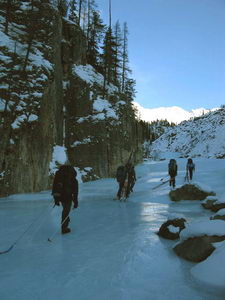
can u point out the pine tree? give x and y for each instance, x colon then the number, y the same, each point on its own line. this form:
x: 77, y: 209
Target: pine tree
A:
x: 118, y: 54
x: 129, y: 89
x: 108, y: 56
x: 96, y: 30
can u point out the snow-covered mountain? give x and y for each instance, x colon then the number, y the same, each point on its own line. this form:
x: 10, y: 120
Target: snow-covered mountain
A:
x: 173, y: 114
x: 204, y: 136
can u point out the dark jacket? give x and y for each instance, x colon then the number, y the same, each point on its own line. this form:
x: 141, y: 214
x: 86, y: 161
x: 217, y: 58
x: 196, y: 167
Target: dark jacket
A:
x: 65, y: 185
x: 172, y: 172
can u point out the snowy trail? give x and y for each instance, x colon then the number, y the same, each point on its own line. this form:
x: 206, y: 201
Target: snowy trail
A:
x: 112, y: 251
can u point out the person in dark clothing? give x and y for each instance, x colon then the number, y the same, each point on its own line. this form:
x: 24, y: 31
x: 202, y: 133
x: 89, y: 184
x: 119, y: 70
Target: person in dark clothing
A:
x: 132, y: 178
x: 120, y: 177
x: 190, y: 168
x: 65, y: 191
x: 172, y: 170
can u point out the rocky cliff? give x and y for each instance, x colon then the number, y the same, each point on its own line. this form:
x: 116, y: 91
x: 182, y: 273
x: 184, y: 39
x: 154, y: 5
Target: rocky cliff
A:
x: 49, y: 96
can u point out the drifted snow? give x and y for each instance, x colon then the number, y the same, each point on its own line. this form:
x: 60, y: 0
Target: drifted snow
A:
x: 210, y: 228
x: 113, y: 251
x: 59, y: 157
x: 90, y: 76
x: 101, y: 105
x: 220, y: 212
x: 173, y: 229
x: 211, y: 271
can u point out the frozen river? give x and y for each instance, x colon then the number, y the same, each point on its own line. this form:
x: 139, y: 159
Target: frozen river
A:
x: 113, y: 251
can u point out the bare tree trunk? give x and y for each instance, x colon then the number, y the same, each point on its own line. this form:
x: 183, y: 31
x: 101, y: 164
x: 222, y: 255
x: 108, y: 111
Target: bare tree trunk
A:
x: 79, y: 13
x: 7, y: 16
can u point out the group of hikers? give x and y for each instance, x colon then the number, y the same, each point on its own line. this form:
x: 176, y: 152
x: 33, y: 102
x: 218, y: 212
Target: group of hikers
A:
x: 126, y: 177
x: 65, y: 188
x: 172, y: 171
x: 65, y: 185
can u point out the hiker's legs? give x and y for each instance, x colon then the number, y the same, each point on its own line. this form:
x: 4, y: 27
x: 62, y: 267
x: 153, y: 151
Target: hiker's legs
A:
x: 120, y: 189
x: 132, y: 185
x: 128, y: 188
x: 65, y: 213
x: 172, y: 181
x: 191, y: 174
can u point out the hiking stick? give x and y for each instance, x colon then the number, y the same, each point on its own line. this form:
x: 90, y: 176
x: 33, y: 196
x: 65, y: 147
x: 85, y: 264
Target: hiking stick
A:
x: 20, y: 237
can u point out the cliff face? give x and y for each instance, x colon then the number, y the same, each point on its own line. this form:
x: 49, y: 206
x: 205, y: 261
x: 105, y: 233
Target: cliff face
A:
x: 54, y: 98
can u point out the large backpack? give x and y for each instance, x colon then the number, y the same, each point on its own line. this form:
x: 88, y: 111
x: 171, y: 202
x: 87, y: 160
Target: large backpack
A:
x: 120, y: 173
x: 172, y: 166
x: 66, y: 178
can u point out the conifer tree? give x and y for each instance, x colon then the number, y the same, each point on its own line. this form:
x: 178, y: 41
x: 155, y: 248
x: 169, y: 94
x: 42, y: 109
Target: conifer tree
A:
x: 96, y: 30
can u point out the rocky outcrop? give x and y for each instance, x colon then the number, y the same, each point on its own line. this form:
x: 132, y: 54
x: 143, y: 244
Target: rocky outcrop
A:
x: 217, y: 206
x: 194, y: 249
x: 171, y: 229
x: 53, y: 105
x: 220, y: 215
x: 189, y: 192
x: 197, y: 239
x: 209, y: 201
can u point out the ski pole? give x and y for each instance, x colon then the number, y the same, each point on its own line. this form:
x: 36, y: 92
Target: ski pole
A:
x: 27, y: 229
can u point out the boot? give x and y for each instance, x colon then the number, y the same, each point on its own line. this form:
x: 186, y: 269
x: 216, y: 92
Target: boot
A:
x: 65, y: 230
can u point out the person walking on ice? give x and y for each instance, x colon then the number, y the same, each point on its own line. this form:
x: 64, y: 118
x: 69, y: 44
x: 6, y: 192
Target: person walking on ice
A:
x: 190, y: 168
x: 65, y: 191
x: 172, y: 170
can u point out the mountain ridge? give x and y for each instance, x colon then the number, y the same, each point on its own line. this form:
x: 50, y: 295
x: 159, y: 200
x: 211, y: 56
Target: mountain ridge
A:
x: 173, y: 114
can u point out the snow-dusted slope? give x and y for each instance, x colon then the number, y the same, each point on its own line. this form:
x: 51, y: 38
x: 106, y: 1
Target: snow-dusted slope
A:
x: 173, y: 114
x: 203, y: 136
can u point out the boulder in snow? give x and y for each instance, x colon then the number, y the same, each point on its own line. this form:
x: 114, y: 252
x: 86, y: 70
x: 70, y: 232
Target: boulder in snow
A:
x: 220, y: 215
x: 190, y: 192
x: 209, y: 201
x: 194, y: 249
x: 171, y: 229
x: 197, y: 238
x: 217, y: 206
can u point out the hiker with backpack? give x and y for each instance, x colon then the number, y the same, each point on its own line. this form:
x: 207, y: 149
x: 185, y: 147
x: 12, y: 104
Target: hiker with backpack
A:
x: 65, y: 191
x: 190, y: 168
x: 172, y: 170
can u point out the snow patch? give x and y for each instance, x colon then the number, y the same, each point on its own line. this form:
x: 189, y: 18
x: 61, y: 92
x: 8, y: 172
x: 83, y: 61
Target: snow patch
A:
x: 59, y: 157
x: 210, y: 228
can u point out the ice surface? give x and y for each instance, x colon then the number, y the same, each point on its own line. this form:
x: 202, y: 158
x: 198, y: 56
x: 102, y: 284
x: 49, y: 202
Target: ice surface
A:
x: 113, y: 251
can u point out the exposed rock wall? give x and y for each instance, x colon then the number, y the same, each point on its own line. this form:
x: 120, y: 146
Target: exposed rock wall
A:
x: 99, y: 143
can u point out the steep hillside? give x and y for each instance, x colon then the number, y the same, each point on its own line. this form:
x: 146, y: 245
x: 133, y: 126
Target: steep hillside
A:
x: 204, y: 136
x: 50, y: 97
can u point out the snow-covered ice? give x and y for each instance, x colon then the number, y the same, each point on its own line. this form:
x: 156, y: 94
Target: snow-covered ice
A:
x: 113, y: 251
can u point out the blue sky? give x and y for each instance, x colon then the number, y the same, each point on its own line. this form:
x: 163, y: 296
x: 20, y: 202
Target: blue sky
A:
x: 176, y: 50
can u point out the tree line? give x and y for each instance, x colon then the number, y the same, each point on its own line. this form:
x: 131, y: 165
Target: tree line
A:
x: 107, y: 45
